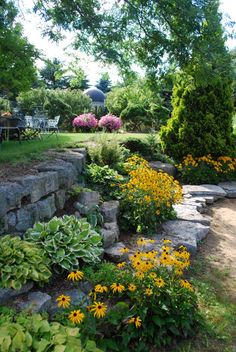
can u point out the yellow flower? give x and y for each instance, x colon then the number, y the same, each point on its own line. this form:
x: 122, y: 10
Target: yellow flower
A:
x: 136, y: 321
x: 76, y: 316
x: 63, y: 301
x: 75, y: 275
x: 121, y: 265
x: 148, y: 292
x: 142, y: 242
x: 159, y: 282
x: 139, y: 275
x: 178, y: 272
x: 117, y: 288
x: 132, y: 287
x: 99, y: 309
x: 100, y: 289
x: 186, y: 284
x: 124, y: 250
x: 153, y: 275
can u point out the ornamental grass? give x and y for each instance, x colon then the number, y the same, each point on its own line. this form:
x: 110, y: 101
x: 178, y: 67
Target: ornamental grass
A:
x: 144, y: 302
x: 206, y: 169
x: 148, y: 196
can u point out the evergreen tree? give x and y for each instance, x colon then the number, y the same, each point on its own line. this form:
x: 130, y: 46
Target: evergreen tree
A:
x: 104, y: 83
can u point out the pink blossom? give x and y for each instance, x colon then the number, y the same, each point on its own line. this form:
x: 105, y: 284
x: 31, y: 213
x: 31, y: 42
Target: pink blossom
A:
x: 85, y: 120
x: 110, y: 122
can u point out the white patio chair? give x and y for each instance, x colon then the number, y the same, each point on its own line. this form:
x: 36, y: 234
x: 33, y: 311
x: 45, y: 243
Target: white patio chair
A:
x: 52, y: 125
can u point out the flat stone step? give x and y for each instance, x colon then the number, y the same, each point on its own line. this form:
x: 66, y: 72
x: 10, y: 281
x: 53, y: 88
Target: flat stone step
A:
x: 205, y: 190
x: 190, y: 213
x: 230, y: 188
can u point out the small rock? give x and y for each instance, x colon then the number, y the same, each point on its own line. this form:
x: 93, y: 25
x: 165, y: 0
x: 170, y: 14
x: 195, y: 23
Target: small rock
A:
x: 109, y: 237
x: 113, y: 226
x: 109, y: 210
x: 36, y: 302
x: 229, y: 188
x: 8, y: 293
x: 88, y: 199
x: 78, y: 215
x: 114, y: 253
x: 189, y: 213
x: 165, y: 167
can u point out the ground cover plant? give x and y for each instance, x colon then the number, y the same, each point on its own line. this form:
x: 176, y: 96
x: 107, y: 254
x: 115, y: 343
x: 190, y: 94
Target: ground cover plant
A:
x: 147, y: 192
x: 139, y: 303
x: 34, y: 333
x: 21, y: 261
x: 207, y: 169
x: 67, y: 241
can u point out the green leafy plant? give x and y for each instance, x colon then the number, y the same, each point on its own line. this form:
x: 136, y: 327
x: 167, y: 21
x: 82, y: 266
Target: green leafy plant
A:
x: 21, y: 261
x: 67, y: 240
x: 34, y: 333
x: 104, y: 179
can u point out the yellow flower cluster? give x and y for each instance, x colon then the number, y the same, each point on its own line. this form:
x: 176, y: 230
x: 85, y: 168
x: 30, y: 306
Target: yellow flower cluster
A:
x: 223, y: 164
x: 157, y: 187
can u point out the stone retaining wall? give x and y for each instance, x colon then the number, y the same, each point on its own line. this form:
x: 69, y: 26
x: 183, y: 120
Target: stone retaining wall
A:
x: 27, y: 199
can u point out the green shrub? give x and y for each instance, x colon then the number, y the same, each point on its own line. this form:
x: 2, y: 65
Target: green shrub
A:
x: 67, y: 240
x: 207, y: 170
x: 201, y: 121
x: 21, y: 261
x: 5, y: 105
x: 104, y: 179
x: 106, y: 152
x: 36, y: 334
x: 64, y: 102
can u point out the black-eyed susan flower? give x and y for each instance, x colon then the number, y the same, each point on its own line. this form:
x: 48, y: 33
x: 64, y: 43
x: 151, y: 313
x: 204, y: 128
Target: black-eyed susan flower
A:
x: 132, y: 287
x: 178, y: 271
x: 100, y: 288
x: 117, y: 288
x: 139, y: 275
x: 63, y: 301
x: 76, y: 316
x: 124, y: 250
x: 142, y: 242
x: 186, y: 284
x: 159, y: 282
x: 99, y: 309
x: 136, y: 321
x: 153, y: 275
x: 148, y: 292
x: 121, y: 265
x: 75, y: 275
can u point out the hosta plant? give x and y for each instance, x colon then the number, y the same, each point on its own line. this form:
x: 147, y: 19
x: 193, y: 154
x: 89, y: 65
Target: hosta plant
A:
x: 21, y: 261
x: 34, y: 333
x: 66, y: 241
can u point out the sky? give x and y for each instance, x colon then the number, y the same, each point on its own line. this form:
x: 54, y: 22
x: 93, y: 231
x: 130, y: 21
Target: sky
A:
x: 63, y: 51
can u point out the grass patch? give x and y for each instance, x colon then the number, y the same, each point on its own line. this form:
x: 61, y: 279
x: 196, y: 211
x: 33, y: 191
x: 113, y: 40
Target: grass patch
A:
x: 218, y: 331
x: 12, y: 151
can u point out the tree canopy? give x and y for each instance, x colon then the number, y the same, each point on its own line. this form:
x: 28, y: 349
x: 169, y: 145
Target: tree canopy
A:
x: 17, y: 55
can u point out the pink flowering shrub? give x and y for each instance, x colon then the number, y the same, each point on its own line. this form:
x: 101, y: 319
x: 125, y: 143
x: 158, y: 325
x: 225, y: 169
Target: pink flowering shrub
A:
x: 110, y: 122
x: 85, y: 122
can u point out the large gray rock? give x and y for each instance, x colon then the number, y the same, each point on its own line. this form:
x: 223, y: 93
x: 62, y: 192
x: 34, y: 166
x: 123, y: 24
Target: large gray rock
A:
x: 230, y: 188
x: 36, y: 302
x: 46, y: 208
x: 205, y: 190
x: 185, y: 233
x: 7, y: 293
x: 74, y: 158
x: 67, y: 173
x: 38, y: 186
x: 89, y: 198
x: 109, y: 210
x: 11, y: 195
x: 26, y: 217
x: 165, y: 167
x: 114, y: 252
x: 190, y: 213
x: 60, y: 199
x: 113, y: 226
x: 109, y: 237
x: 82, y: 151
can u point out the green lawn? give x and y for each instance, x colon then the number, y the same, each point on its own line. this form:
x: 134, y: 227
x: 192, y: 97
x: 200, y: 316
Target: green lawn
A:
x: 12, y: 151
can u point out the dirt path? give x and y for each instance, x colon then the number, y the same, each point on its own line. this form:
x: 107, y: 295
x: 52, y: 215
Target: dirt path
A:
x: 220, y: 245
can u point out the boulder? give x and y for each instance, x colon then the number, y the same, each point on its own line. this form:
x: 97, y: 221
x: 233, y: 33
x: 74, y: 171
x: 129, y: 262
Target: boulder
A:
x: 114, y: 254
x: 38, y: 186
x: 60, y: 199
x: 89, y: 198
x: 26, y: 217
x: 36, y: 302
x: 230, y: 188
x: 7, y: 293
x: 46, y: 208
x: 11, y: 195
x: 74, y: 158
x: 185, y: 233
x: 165, y: 167
x: 190, y: 213
x: 109, y: 210
x: 109, y: 237
x: 205, y: 190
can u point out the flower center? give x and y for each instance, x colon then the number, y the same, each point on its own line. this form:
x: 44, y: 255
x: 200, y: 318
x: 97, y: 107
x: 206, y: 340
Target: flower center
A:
x: 75, y: 315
